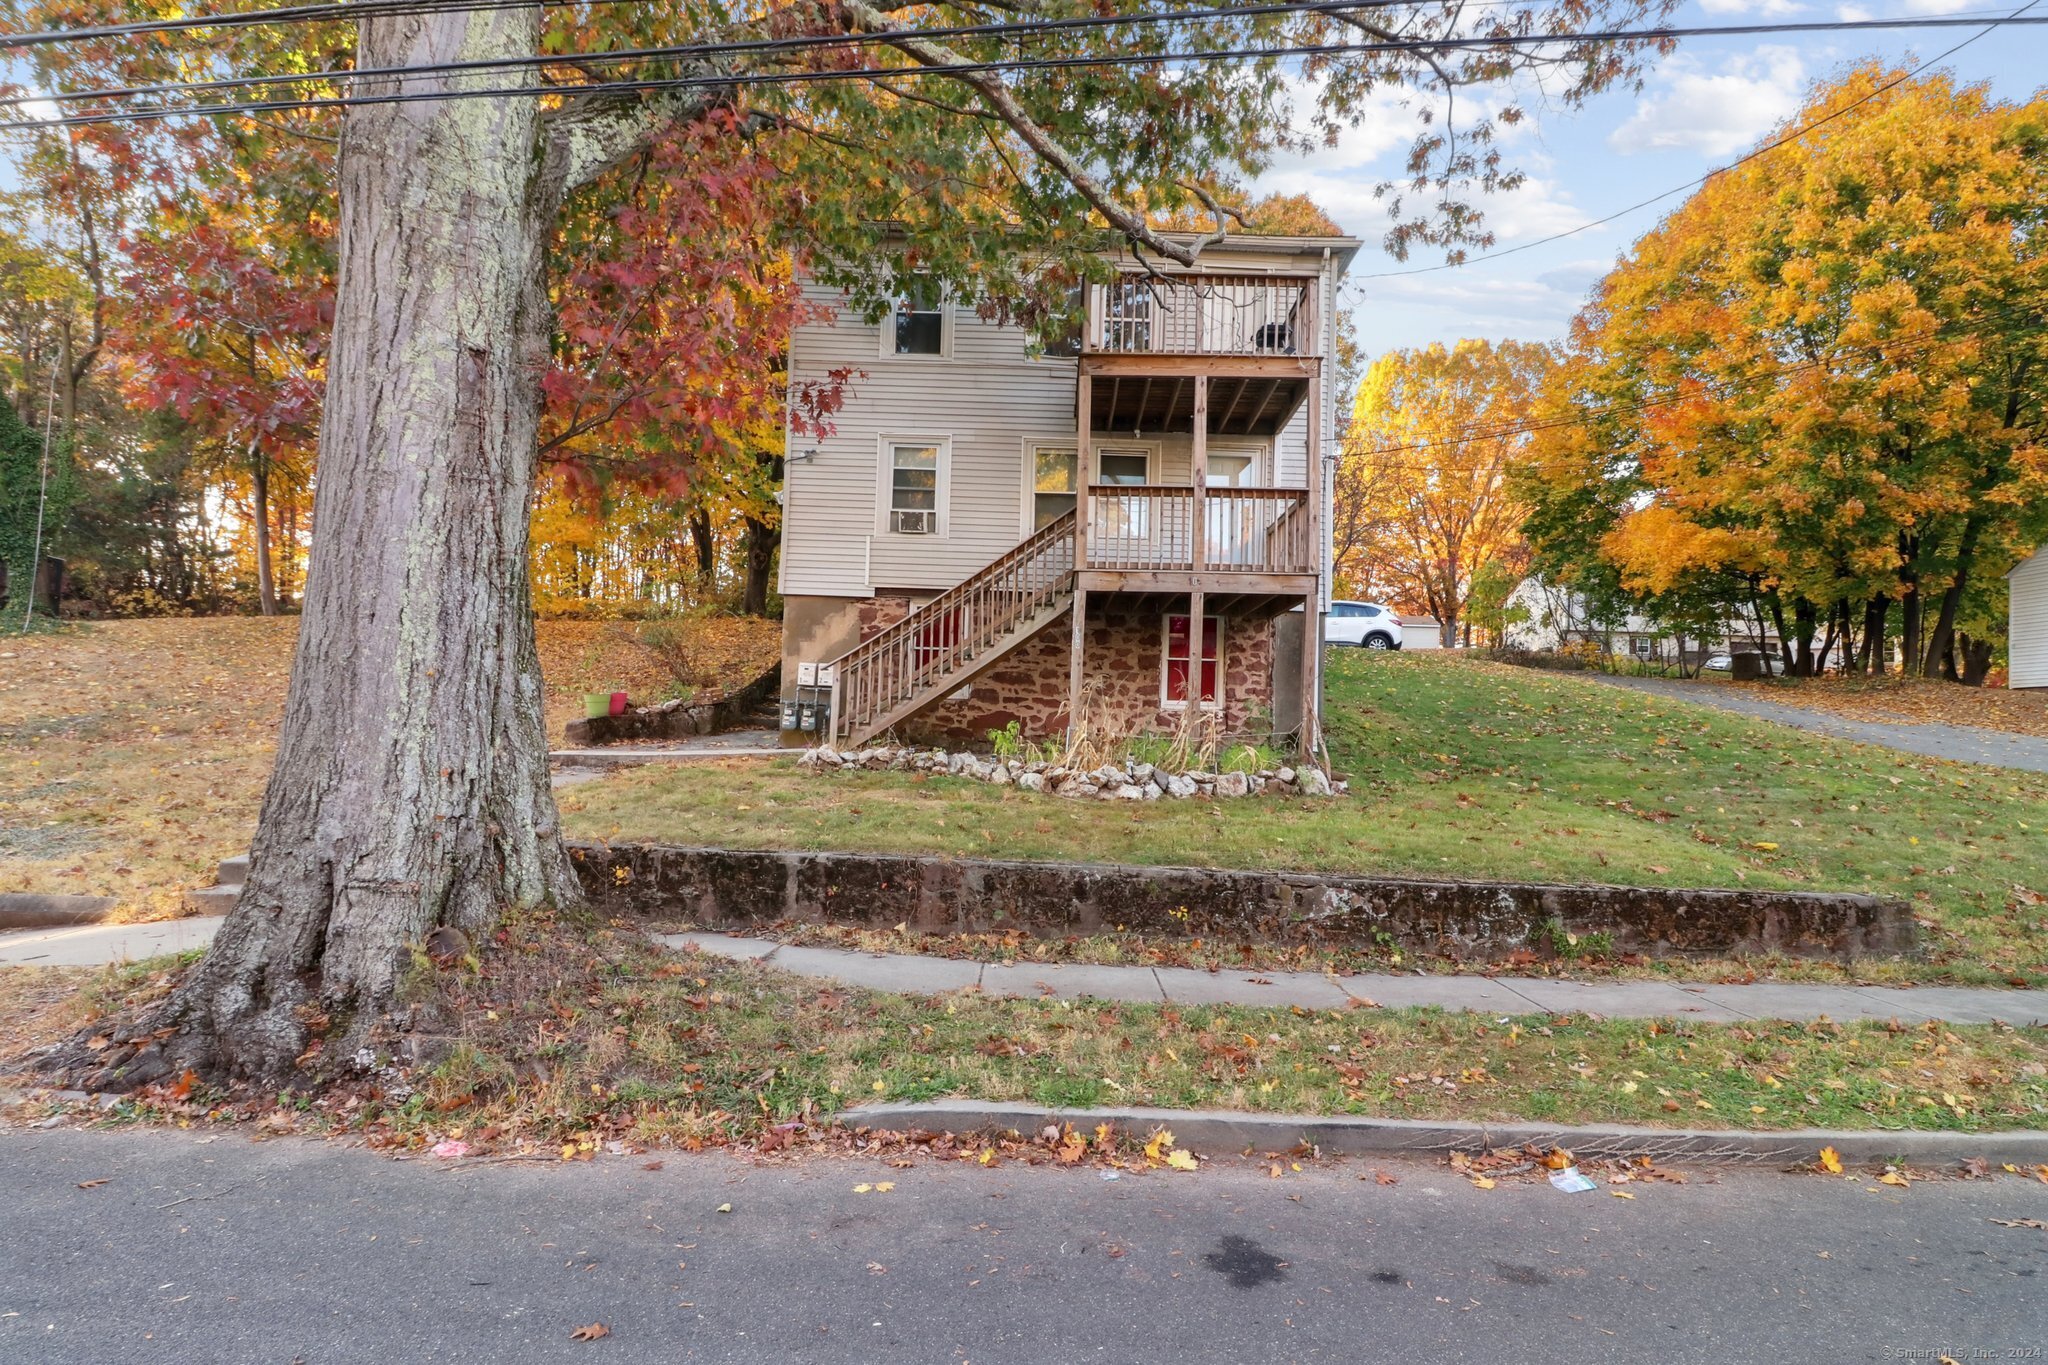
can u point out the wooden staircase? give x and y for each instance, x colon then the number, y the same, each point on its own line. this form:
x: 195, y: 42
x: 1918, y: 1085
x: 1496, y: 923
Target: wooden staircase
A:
x: 942, y: 645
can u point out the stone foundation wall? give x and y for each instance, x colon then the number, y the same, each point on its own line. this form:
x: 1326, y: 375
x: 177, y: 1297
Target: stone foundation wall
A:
x: 1124, y: 656
x: 1477, y: 920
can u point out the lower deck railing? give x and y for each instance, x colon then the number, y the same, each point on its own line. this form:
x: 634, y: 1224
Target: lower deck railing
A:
x: 1247, y: 530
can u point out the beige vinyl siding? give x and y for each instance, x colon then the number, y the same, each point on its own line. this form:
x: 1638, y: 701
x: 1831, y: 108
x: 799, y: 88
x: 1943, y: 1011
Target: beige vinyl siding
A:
x: 2028, y: 645
x: 984, y: 401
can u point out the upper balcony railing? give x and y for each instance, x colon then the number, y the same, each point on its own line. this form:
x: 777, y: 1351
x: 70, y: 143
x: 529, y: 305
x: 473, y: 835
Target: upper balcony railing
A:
x: 1204, y: 314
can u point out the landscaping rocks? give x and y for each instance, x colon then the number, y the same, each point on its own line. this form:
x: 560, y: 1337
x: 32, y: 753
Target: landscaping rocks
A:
x: 1476, y: 920
x: 1128, y: 781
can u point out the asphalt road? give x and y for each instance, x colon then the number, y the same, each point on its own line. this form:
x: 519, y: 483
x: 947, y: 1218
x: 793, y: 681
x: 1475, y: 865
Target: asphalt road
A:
x: 1961, y: 743
x: 222, y: 1250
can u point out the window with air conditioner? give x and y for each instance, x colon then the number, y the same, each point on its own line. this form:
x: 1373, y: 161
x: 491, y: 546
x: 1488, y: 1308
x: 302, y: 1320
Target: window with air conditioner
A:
x: 914, y: 469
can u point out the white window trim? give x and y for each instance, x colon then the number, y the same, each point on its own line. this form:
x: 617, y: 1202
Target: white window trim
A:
x: 885, y: 468
x: 886, y: 343
x: 1261, y: 456
x: 1112, y: 446
x: 1194, y: 662
x: 1026, y: 467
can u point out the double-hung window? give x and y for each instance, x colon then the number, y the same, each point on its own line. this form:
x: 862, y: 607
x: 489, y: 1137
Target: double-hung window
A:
x: 918, y: 326
x: 913, y: 488
x: 1192, y: 670
x: 1052, y: 474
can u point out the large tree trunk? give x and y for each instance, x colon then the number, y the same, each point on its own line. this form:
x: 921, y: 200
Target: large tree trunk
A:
x: 762, y: 542
x: 1942, y: 636
x: 1875, y: 615
x: 266, y: 580
x: 411, y: 785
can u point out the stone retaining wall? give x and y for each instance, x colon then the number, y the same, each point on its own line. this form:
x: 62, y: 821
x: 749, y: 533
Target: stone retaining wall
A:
x: 1482, y: 920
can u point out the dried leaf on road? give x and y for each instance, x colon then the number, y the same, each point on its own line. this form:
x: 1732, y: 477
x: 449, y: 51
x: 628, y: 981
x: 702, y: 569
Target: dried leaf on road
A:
x: 94, y: 1184
x: 590, y: 1333
x: 1831, y: 1161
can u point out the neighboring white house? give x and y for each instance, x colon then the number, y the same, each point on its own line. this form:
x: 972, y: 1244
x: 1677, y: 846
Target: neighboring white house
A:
x: 1553, y: 616
x: 2028, y: 641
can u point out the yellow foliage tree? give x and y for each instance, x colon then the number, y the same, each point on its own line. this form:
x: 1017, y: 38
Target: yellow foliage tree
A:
x: 1825, y: 371
x: 1422, y: 499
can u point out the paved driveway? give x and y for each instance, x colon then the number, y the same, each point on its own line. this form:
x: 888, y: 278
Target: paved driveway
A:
x: 1962, y: 743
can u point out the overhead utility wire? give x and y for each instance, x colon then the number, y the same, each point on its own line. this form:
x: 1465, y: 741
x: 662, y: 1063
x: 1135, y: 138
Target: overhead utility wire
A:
x: 736, y: 47
x: 1356, y: 281
x: 282, y: 14
x: 967, y: 68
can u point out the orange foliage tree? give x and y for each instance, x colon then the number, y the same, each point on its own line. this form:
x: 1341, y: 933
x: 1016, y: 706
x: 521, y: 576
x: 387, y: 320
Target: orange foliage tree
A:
x: 1423, y: 504
x: 1823, y: 374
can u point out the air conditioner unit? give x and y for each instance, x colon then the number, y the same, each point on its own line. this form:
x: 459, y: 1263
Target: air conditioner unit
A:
x: 914, y: 523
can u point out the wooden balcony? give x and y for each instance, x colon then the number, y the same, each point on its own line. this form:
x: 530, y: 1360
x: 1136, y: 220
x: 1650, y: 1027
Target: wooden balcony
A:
x: 1200, y: 314
x: 1244, y: 530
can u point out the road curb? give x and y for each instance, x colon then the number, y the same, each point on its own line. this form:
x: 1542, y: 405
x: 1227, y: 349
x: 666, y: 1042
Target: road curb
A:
x: 1217, y: 1130
x: 34, y: 910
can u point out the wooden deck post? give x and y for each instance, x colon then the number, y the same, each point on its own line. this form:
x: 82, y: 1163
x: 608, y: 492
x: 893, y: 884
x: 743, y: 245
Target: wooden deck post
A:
x: 1084, y: 473
x: 1198, y: 474
x: 1077, y: 652
x: 1312, y: 607
x: 1084, y: 464
x: 1195, y: 641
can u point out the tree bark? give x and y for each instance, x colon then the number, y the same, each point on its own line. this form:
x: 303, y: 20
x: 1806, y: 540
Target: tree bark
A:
x: 704, y: 541
x: 1942, y: 636
x: 266, y: 581
x: 1875, y: 612
x: 411, y: 788
x: 762, y: 542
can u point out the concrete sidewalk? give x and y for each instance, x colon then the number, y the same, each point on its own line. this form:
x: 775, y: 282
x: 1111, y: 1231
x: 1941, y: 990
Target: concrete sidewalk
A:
x: 916, y: 975
x: 97, y: 945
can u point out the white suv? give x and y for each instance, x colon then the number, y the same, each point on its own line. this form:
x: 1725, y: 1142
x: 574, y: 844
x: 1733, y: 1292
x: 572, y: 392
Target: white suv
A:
x: 1365, y: 624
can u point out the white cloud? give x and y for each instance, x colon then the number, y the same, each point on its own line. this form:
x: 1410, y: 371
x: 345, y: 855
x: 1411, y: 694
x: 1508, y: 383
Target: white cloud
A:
x: 1391, y: 312
x: 1540, y: 208
x: 1767, y: 7
x: 1852, y: 14
x: 1717, y: 114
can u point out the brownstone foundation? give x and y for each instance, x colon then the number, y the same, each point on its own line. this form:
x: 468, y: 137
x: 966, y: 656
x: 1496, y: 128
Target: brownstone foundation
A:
x: 1124, y: 657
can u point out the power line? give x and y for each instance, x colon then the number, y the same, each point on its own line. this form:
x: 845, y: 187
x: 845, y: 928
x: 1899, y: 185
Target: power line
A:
x: 283, y: 14
x: 1198, y: 56
x: 736, y: 47
x: 1356, y: 281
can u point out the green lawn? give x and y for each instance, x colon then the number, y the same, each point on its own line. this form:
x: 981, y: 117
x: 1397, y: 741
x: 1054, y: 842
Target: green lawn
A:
x: 575, y: 1033
x: 1469, y: 770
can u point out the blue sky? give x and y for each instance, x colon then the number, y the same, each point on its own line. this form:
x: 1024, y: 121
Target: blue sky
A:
x: 1710, y: 101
